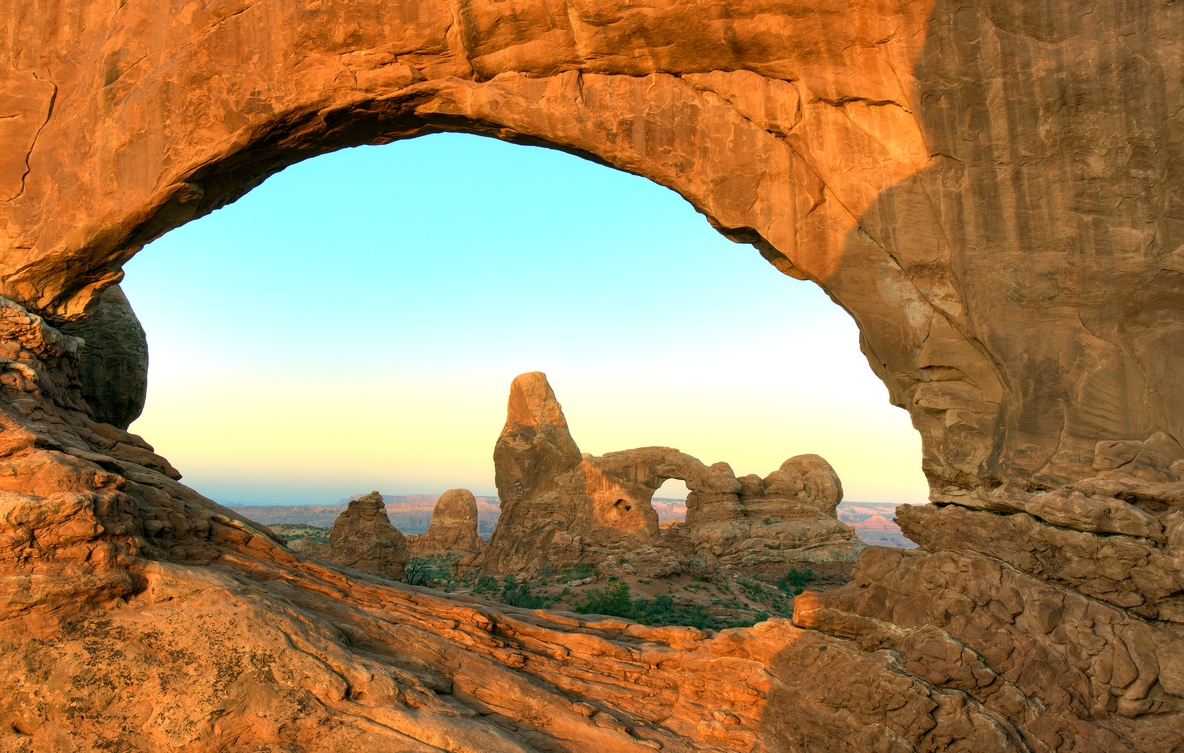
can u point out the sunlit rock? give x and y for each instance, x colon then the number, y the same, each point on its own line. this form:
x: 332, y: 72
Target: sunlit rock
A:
x: 560, y: 507
x: 453, y: 530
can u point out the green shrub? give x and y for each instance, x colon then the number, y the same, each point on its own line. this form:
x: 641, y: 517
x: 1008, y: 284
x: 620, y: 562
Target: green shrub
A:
x: 485, y: 584
x: 426, y: 571
x: 517, y: 594
x: 613, y: 601
x: 616, y: 601
x: 660, y: 605
x: 796, y: 579
x: 418, y: 572
x: 578, y: 571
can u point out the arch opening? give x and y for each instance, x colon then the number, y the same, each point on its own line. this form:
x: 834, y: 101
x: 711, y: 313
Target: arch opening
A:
x: 670, y: 500
x: 460, y: 296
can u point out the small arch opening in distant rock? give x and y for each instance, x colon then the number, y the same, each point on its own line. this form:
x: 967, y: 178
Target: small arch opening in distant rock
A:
x: 670, y: 500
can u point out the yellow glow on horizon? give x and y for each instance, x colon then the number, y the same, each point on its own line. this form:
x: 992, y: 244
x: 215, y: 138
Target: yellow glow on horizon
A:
x: 426, y: 436
x: 355, y: 322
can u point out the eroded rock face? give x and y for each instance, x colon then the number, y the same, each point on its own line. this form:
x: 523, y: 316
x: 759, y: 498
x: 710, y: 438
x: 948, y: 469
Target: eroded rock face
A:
x: 785, y: 518
x: 555, y: 503
x: 453, y: 529
x: 364, y: 539
x: 560, y: 507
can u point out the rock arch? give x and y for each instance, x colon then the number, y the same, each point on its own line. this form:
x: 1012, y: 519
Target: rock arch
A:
x: 989, y: 191
x: 831, y: 136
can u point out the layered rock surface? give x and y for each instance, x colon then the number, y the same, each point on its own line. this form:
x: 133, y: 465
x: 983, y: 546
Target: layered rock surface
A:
x: 560, y: 507
x: 989, y: 190
x: 453, y: 529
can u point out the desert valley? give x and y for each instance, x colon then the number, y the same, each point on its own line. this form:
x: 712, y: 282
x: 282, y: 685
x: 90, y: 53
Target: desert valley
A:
x: 750, y: 546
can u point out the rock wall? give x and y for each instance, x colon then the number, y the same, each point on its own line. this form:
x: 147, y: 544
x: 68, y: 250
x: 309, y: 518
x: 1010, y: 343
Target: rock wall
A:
x: 560, y: 507
x: 989, y: 190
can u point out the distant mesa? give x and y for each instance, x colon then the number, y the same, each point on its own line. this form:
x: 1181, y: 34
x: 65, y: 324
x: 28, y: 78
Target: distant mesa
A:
x: 410, y: 513
x: 875, y: 524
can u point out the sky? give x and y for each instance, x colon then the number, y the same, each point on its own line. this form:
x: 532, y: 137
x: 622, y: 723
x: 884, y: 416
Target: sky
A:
x: 354, y: 323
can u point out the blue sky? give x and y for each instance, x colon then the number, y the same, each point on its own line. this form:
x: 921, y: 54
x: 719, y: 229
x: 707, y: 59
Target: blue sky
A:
x: 354, y: 324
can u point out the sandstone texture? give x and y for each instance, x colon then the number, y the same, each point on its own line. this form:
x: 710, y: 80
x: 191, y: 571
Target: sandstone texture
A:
x: 560, y: 507
x: 991, y: 191
x: 453, y: 529
x: 364, y: 539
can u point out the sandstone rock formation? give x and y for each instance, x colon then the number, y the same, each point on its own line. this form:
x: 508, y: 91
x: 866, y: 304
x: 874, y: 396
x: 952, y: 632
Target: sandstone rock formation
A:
x: 785, y: 518
x: 453, y: 529
x: 364, y: 539
x: 554, y: 501
x: 990, y: 191
x: 113, y: 361
x: 560, y: 507
x: 976, y: 302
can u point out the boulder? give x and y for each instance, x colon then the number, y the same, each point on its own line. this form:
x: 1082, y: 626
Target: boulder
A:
x: 113, y: 360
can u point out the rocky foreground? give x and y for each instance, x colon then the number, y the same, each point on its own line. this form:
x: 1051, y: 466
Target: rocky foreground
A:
x: 138, y: 614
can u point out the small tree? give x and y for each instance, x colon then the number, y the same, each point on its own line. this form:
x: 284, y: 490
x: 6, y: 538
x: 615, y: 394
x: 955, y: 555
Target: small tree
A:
x: 614, y: 601
x: 418, y: 572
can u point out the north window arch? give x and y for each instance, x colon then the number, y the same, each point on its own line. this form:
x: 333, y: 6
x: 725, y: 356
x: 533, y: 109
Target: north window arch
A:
x: 392, y: 292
